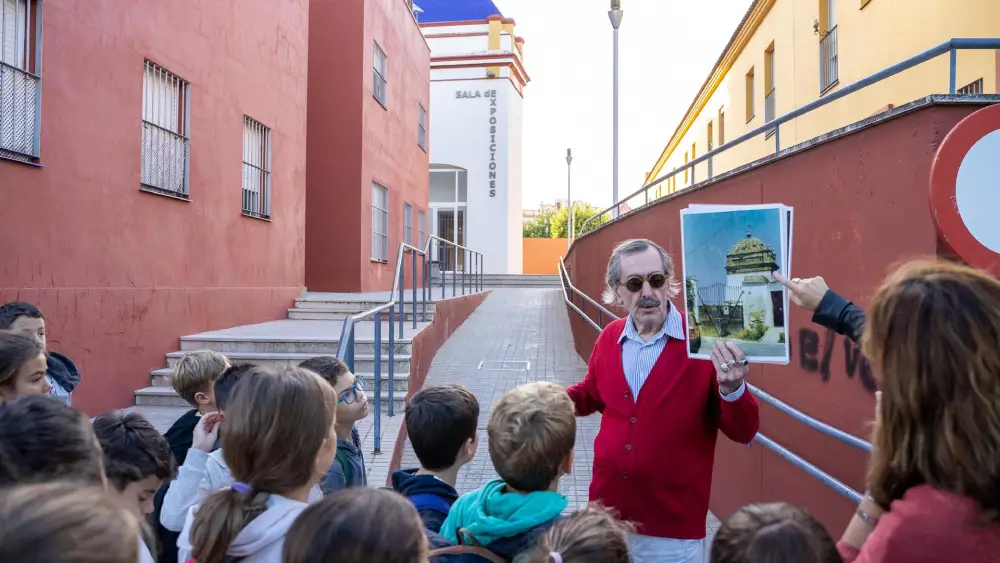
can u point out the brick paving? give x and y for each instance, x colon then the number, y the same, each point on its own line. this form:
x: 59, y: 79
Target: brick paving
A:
x: 517, y: 325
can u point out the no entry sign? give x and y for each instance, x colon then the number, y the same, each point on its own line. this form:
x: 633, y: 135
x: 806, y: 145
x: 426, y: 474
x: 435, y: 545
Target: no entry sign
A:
x: 965, y: 189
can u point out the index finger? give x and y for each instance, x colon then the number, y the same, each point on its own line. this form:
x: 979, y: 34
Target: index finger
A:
x: 782, y: 280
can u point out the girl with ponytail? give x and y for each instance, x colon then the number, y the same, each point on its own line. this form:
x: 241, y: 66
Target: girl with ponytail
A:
x: 279, y: 442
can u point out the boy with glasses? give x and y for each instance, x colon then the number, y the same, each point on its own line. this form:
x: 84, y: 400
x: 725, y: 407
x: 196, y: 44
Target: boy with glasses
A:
x: 348, y: 469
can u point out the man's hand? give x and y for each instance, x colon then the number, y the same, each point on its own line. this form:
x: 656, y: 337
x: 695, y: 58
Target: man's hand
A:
x: 729, y: 368
x: 805, y: 293
x: 207, y: 431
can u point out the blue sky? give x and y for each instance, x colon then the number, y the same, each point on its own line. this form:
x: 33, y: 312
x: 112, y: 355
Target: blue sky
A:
x: 708, y: 237
x: 667, y: 48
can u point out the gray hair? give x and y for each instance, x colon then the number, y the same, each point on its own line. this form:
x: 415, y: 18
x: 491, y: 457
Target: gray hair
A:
x: 612, y: 277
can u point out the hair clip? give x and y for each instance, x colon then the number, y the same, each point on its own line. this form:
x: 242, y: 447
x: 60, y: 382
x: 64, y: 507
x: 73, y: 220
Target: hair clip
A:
x: 242, y: 488
x: 556, y: 558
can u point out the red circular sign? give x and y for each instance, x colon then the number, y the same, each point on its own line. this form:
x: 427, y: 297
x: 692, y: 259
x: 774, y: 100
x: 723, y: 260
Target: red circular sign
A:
x: 965, y: 189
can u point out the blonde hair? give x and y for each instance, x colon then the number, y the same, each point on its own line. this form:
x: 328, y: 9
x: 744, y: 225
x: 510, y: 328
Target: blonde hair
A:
x: 531, y: 431
x: 62, y: 522
x: 591, y: 534
x: 276, y: 423
x: 932, y: 337
x: 196, y: 372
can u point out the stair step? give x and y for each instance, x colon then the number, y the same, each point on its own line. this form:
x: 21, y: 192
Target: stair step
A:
x: 352, y: 307
x: 331, y: 314
x: 161, y: 378
x: 158, y: 396
x: 362, y: 362
x: 227, y: 346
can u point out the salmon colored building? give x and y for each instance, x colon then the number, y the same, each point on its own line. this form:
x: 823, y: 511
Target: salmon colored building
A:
x: 369, y: 103
x: 154, y: 166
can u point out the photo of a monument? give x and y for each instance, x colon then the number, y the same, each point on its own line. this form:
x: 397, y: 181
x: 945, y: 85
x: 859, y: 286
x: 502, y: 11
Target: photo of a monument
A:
x: 730, y: 254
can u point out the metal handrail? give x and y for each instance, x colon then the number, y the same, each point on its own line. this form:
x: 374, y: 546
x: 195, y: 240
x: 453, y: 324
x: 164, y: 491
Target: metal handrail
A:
x: 952, y: 47
x: 397, y: 296
x: 473, y: 281
x: 784, y: 452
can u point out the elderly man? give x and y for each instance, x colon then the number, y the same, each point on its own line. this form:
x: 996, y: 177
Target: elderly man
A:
x: 662, y: 411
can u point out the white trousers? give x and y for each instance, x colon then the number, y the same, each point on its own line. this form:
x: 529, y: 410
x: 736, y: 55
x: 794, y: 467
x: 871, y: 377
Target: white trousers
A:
x: 647, y: 549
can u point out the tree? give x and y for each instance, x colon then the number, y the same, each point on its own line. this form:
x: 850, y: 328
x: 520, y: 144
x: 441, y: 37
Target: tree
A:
x: 581, y: 212
x: 539, y: 227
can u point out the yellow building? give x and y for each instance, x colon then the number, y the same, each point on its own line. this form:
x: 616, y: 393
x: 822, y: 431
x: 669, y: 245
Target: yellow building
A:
x: 787, y: 53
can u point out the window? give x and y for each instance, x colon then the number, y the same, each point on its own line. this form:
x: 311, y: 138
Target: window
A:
x: 829, y: 65
x: 381, y: 71
x: 769, y: 88
x: 256, y: 169
x: 421, y: 228
x: 408, y: 224
x: 722, y: 126
x: 20, y: 82
x: 422, y: 127
x: 686, y: 169
x: 164, y: 132
x: 973, y: 88
x: 380, y: 223
x: 749, y: 95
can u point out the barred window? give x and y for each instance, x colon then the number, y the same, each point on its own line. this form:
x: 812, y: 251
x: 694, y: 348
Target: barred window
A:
x: 422, y: 127
x: 408, y: 224
x: 380, y: 223
x: 256, y: 169
x: 421, y: 228
x: 20, y: 79
x: 381, y: 72
x: 165, y: 105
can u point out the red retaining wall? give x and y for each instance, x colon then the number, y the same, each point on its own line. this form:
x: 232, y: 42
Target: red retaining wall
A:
x: 860, y: 199
x: 449, y: 315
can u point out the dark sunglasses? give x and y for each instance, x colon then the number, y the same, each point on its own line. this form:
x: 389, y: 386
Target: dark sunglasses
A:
x: 634, y: 283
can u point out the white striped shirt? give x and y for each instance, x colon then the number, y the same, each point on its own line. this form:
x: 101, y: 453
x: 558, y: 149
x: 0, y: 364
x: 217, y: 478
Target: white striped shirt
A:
x: 638, y: 355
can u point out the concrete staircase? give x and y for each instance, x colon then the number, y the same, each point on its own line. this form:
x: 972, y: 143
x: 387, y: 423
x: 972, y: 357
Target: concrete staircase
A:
x: 312, y: 329
x: 496, y: 281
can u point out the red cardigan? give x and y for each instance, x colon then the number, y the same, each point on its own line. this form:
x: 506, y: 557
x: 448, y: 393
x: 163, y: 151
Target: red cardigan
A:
x: 929, y: 525
x: 653, y: 458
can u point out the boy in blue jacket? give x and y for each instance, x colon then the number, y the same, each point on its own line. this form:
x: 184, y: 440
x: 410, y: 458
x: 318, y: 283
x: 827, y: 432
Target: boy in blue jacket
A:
x: 441, y: 423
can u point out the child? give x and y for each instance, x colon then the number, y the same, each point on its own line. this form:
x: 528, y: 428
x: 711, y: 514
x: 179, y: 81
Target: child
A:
x: 349, y: 471
x: 62, y: 522
x: 137, y: 461
x: 592, y: 534
x: 279, y: 442
x: 42, y: 439
x: 22, y: 366
x: 194, y: 380
x: 61, y: 372
x: 531, y: 433
x: 441, y: 422
x: 358, y: 525
x: 204, y: 470
x: 773, y: 533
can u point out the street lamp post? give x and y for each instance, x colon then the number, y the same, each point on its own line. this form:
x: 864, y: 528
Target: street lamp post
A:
x: 569, y: 198
x: 615, y: 14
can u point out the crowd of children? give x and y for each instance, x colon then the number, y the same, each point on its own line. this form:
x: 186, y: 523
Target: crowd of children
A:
x: 268, y: 467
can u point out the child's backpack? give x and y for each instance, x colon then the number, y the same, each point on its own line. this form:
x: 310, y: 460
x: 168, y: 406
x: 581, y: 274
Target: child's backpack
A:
x: 467, y: 550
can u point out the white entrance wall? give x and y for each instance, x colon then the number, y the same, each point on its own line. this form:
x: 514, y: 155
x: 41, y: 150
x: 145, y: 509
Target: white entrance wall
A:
x: 476, y: 119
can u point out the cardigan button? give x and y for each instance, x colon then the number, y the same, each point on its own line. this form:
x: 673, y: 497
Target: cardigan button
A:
x: 626, y: 394
x: 632, y: 420
x: 628, y: 447
x: 624, y: 474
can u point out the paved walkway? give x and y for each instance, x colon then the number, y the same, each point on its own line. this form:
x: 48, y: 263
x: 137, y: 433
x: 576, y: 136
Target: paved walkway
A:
x: 517, y: 325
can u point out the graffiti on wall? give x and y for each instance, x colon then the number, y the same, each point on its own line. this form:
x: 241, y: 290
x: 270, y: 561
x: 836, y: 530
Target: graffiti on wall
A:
x: 814, y: 358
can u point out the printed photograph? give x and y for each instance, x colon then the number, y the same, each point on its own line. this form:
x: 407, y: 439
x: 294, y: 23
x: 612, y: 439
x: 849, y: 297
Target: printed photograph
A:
x: 729, y: 256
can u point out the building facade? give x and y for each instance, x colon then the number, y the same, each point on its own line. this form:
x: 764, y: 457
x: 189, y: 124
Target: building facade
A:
x: 367, y: 155
x: 477, y: 88
x: 152, y: 182
x: 787, y: 53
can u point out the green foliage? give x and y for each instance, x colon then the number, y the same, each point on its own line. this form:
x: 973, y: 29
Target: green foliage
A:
x: 539, y: 227
x: 758, y: 328
x: 581, y: 212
